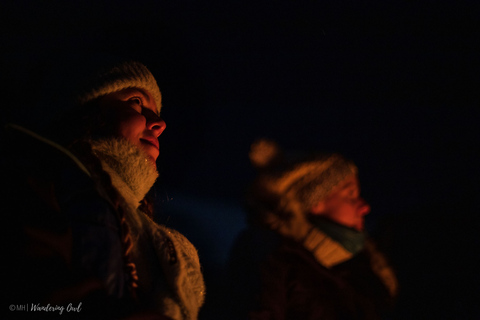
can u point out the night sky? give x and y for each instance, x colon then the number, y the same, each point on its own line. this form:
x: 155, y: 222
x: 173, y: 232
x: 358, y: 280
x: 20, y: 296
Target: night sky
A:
x: 392, y: 85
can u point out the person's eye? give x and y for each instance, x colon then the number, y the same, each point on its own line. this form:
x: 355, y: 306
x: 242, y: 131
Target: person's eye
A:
x: 353, y: 193
x: 136, y: 103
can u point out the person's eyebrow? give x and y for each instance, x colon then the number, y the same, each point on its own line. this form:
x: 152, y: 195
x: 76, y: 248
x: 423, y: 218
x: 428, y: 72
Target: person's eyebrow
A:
x: 142, y: 92
x: 349, y: 185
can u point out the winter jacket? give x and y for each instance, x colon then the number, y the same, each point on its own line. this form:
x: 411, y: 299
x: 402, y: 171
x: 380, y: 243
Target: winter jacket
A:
x: 273, y: 277
x: 63, y: 239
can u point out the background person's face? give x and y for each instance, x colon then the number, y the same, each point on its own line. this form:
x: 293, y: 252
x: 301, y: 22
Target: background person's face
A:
x: 344, y: 205
x: 132, y: 113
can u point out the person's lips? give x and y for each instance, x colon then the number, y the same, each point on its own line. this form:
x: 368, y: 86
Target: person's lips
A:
x: 152, y: 141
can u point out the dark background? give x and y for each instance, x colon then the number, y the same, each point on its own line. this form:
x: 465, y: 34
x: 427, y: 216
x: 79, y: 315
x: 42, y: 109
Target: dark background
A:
x: 391, y: 84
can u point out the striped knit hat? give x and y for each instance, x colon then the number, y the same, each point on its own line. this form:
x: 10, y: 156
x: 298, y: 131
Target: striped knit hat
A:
x: 306, y: 179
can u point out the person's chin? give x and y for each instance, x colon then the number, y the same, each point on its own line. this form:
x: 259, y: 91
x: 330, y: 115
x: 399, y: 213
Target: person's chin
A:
x: 360, y: 226
x: 152, y: 159
x: 151, y: 151
x: 151, y: 156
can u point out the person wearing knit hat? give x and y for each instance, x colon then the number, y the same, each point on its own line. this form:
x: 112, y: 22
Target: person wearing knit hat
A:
x: 305, y: 254
x: 77, y: 200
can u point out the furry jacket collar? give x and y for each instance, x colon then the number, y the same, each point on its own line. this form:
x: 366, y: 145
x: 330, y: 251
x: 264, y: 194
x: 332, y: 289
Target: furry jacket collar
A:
x: 131, y: 171
x: 168, y: 267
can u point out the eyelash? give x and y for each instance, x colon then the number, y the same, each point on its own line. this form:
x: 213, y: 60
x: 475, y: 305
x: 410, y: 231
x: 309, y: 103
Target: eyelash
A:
x: 137, y: 101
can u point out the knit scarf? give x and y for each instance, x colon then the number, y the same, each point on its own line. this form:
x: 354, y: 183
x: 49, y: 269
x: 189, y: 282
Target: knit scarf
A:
x: 127, y: 165
x: 176, y: 289
x: 352, y: 240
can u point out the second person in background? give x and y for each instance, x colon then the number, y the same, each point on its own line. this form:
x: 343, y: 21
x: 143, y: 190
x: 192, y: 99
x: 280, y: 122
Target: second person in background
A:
x: 306, y: 254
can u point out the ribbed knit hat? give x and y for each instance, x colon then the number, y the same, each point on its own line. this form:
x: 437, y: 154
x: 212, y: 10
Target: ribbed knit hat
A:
x: 116, y: 77
x: 76, y: 79
x: 305, y: 178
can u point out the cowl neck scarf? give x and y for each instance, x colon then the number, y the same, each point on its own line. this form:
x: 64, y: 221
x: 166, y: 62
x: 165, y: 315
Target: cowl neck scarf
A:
x: 131, y: 171
x: 352, y: 240
x: 176, y: 288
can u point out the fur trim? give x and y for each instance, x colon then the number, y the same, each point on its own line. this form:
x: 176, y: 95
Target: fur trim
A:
x: 130, y: 169
x: 168, y: 266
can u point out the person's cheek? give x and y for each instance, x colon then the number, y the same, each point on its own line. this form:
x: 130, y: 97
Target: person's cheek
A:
x: 130, y: 127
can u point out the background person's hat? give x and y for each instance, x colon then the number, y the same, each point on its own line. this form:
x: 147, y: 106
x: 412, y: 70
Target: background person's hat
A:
x: 307, y: 178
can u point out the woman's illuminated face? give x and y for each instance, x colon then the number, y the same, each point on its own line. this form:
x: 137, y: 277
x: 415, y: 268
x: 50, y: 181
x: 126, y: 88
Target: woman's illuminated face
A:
x: 133, y: 115
x: 344, y: 205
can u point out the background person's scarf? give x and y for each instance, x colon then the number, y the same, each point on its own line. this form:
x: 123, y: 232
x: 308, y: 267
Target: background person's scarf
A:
x: 352, y: 240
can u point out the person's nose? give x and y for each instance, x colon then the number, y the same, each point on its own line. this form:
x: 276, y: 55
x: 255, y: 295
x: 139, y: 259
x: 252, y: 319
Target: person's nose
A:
x: 156, y: 124
x: 364, y: 207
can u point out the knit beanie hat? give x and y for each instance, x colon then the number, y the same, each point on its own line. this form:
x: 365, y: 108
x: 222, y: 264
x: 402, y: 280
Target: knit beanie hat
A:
x: 116, y: 77
x: 129, y: 74
x: 305, y: 179
x: 73, y: 80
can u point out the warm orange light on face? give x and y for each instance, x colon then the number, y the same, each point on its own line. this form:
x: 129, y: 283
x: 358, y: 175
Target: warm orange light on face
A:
x: 344, y: 205
x: 133, y: 115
